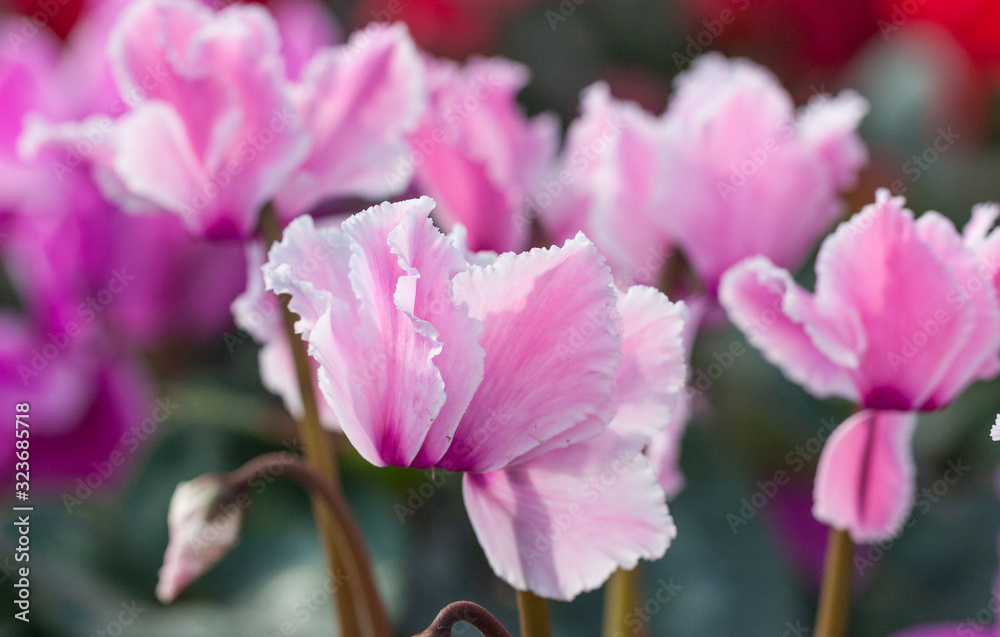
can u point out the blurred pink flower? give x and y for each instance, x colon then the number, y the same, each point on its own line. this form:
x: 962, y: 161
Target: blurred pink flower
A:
x: 144, y: 280
x: 86, y: 405
x: 744, y: 174
x: 606, y: 185
x: 528, y: 372
x: 215, y: 107
x: 357, y: 102
x: 905, y: 316
x: 477, y: 154
x: 27, y: 67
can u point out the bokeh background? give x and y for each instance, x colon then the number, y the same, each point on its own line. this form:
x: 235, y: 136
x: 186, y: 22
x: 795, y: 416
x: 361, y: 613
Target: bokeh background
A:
x: 930, y: 68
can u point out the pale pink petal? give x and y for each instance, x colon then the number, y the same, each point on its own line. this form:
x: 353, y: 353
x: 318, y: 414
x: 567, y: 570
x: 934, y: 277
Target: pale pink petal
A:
x: 551, y: 351
x: 562, y: 523
x: 866, y: 478
x: 995, y: 429
x: 742, y: 174
x: 358, y: 102
x: 312, y: 264
x: 258, y: 311
x: 476, y: 153
x: 651, y: 375
x: 234, y: 129
x: 980, y: 357
x: 306, y: 26
x: 664, y: 450
x: 606, y: 186
x: 830, y: 125
x: 757, y: 295
x: 900, y: 291
x: 388, y: 349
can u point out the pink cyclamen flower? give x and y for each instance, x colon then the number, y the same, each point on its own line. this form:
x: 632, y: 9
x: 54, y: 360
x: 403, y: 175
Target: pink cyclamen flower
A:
x: 357, y: 102
x: 743, y: 174
x: 904, y: 317
x: 530, y: 373
x: 216, y: 134
x: 197, y: 541
x: 606, y: 185
x: 477, y: 154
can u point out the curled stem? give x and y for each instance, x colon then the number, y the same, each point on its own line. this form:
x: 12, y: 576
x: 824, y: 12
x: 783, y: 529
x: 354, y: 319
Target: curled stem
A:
x: 834, y: 601
x: 475, y: 614
x: 346, y: 534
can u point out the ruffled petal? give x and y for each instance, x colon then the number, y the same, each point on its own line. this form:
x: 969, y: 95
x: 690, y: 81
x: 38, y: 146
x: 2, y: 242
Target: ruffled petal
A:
x: 562, y: 523
x: 903, y: 294
x: 866, y: 478
x: 762, y: 299
x: 551, y: 345
x: 358, y: 102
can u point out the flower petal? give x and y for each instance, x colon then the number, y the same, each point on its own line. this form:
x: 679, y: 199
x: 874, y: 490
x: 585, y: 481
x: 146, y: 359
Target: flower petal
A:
x: 902, y: 294
x: 865, y: 479
x: 758, y: 297
x: 560, y: 524
x: 551, y: 351
x: 358, y: 102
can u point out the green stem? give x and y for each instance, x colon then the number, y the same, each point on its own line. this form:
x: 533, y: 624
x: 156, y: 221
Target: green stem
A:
x: 534, y: 613
x: 621, y: 598
x: 834, y: 600
x: 476, y: 615
x: 320, y: 455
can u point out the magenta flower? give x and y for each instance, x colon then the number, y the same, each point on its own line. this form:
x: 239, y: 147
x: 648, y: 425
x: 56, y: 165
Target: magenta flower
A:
x: 87, y: 407
x: 744, y: 175
x: 27, y: 66
x: 607, y: 185
x: 530, y: 373
x: 477, y: 154
x: 144, y: 279
x: 904, y: 317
